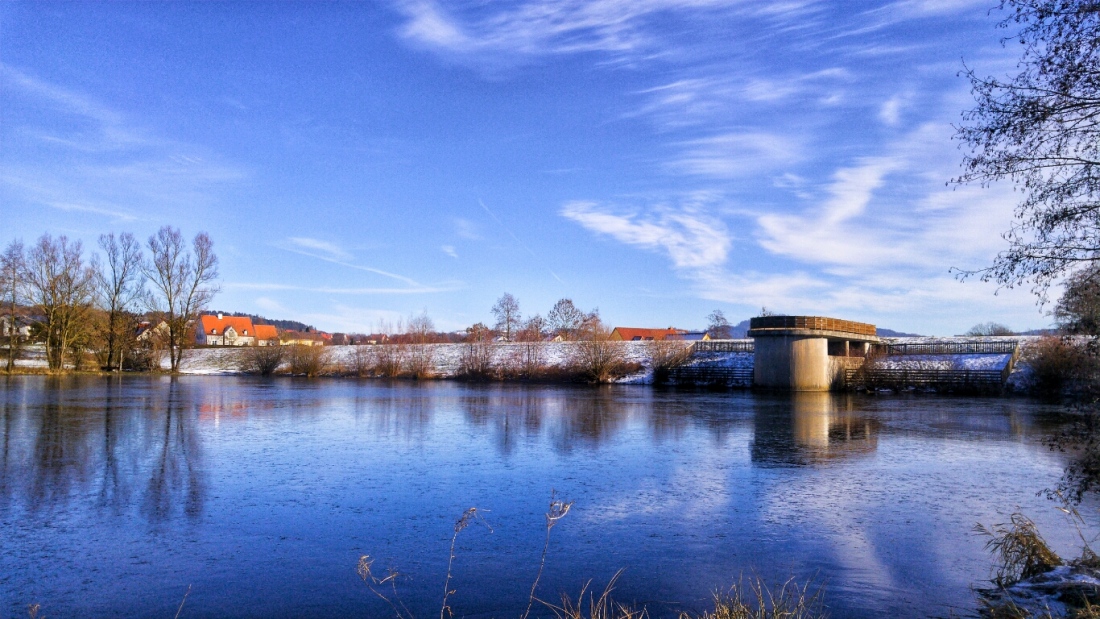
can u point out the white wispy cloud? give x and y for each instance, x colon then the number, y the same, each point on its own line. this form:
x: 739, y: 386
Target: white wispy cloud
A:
x: 708, y: 94
x: 329, y: 252
x: 98, y: 160
x: 486, y: 34
x: 448, y: 286
x: 890, y: 112
x: 449, y: 250
x: 735, y: 154
x: 875, y: 241
x: 332, y: 249
x: 466, y: 229
x: 691, y: 238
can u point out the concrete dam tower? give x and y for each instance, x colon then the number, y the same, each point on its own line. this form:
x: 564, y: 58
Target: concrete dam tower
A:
x: 807, y: 353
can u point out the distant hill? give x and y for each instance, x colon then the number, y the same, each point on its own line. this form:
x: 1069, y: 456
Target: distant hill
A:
x: 879, y: 331
x: 740, y: 330
x: 1039, y: 332
x: 285, y: 325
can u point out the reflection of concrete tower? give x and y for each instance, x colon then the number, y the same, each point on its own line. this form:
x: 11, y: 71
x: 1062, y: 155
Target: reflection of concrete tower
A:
x: 810, y: 427
x: 807, y: 353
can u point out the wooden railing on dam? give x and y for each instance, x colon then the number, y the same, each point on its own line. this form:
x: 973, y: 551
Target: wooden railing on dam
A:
x: 817, y: 323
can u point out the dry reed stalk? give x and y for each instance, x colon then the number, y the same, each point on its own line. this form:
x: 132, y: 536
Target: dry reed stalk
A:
x: 557, y: 510
x: 182, y: 602
x: 758, y: 601
x: 1020, y: 550
x: 364, y: 570
x: 468, y: 516
x: 602, y: 607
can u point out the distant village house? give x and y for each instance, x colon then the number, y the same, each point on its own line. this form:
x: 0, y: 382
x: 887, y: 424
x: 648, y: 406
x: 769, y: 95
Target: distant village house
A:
x: 222, y: 330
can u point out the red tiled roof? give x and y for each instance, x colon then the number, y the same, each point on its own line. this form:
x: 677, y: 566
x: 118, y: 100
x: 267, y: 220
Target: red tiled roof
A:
x: 241, y: 324
x: 266, y: 332
x: 630, y: 333
x: 300, y: 336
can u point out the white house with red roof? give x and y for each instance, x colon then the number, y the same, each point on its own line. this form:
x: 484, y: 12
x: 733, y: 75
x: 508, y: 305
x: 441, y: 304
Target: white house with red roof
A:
x: 222, y: 330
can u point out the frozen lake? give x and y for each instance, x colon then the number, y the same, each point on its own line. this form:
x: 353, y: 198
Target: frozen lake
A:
x: 117, y: 494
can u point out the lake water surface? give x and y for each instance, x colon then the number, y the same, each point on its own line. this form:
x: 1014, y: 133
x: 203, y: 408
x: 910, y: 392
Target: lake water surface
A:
x: 117, y: 494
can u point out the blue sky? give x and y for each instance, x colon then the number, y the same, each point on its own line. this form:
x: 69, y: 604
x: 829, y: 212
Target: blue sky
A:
x: 656, y: 159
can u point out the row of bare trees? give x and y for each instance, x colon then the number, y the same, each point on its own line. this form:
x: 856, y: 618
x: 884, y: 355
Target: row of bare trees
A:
x: 564, y: 320
x: 72, y: 304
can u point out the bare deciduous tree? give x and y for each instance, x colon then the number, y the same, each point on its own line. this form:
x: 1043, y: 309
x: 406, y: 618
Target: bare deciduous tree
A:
x: 1041, y: 130
x: 421, y: 356
x: 565, y: 318
x: 183, y: 284
x: 533, y: 329
x: 119, y: 286
x: 12, y: 290
x: 507, y: 314
x: 595, y: 354
x: 718, y: 327
x: 61, y: 288
x: 421, y: 328
x: 664, y: 355
x: 990, y: 328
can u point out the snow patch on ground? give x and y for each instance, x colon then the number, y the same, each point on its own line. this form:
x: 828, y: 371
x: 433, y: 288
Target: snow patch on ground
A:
x: 1046, y: 594
x: 944, y: 362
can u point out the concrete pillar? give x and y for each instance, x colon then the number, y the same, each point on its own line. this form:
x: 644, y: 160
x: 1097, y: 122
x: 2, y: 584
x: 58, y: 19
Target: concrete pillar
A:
x: 792, y: 362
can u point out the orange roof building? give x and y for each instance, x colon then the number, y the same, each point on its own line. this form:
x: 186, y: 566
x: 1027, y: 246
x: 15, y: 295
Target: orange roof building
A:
x: 267, y: 335
x: 222, y: 330
x: 631, y: 334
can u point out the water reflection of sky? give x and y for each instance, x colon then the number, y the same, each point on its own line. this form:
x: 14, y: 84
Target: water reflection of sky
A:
x: 116, y: 495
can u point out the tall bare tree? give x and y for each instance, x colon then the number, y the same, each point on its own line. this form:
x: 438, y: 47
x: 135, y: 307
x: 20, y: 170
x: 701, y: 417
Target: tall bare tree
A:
x: 119, y: 286
x: 421, y: 328
x: 507, y: 314
x: 13, y: 286
x: 61, y: 288
x: 565, y: 318
x: 182, y: 284
x: 717, y: 325
x: 1040, y: 129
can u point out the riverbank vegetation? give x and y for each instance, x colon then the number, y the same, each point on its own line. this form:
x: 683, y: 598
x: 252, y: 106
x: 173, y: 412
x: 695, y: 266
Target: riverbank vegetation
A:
x: 111, y: 311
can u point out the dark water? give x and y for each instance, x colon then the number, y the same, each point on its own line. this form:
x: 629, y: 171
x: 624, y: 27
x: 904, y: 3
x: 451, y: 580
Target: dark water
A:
x: 116, y: 495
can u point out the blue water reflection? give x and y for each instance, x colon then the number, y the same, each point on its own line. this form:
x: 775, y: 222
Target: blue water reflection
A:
x: 116, y: 494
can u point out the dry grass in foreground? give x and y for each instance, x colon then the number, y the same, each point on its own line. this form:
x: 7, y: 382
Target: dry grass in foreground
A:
x: 1032, y: 581
x: 754, y: 600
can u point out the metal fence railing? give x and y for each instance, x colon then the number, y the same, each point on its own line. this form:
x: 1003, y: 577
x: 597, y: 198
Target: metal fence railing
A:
x: 724, y: 346
x: 951, y: 348
x: 711, y: 376
x: 904, y: 377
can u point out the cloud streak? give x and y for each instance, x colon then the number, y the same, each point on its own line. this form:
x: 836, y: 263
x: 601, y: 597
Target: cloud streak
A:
x: 689, y: 237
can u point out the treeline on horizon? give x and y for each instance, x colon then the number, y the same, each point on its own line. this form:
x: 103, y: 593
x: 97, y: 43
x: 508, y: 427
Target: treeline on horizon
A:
x: 128, y: 303
x: 80, y: 306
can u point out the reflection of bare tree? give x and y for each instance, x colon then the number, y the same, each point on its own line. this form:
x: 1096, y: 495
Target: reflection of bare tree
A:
x: 114, y: 489
x: 7, y: 470
x: 399, y: 410
x: 61, y: 451
x: 513, y: 414
x: 176, y: 474
x: 588, y: 417
x: 669, y: 419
